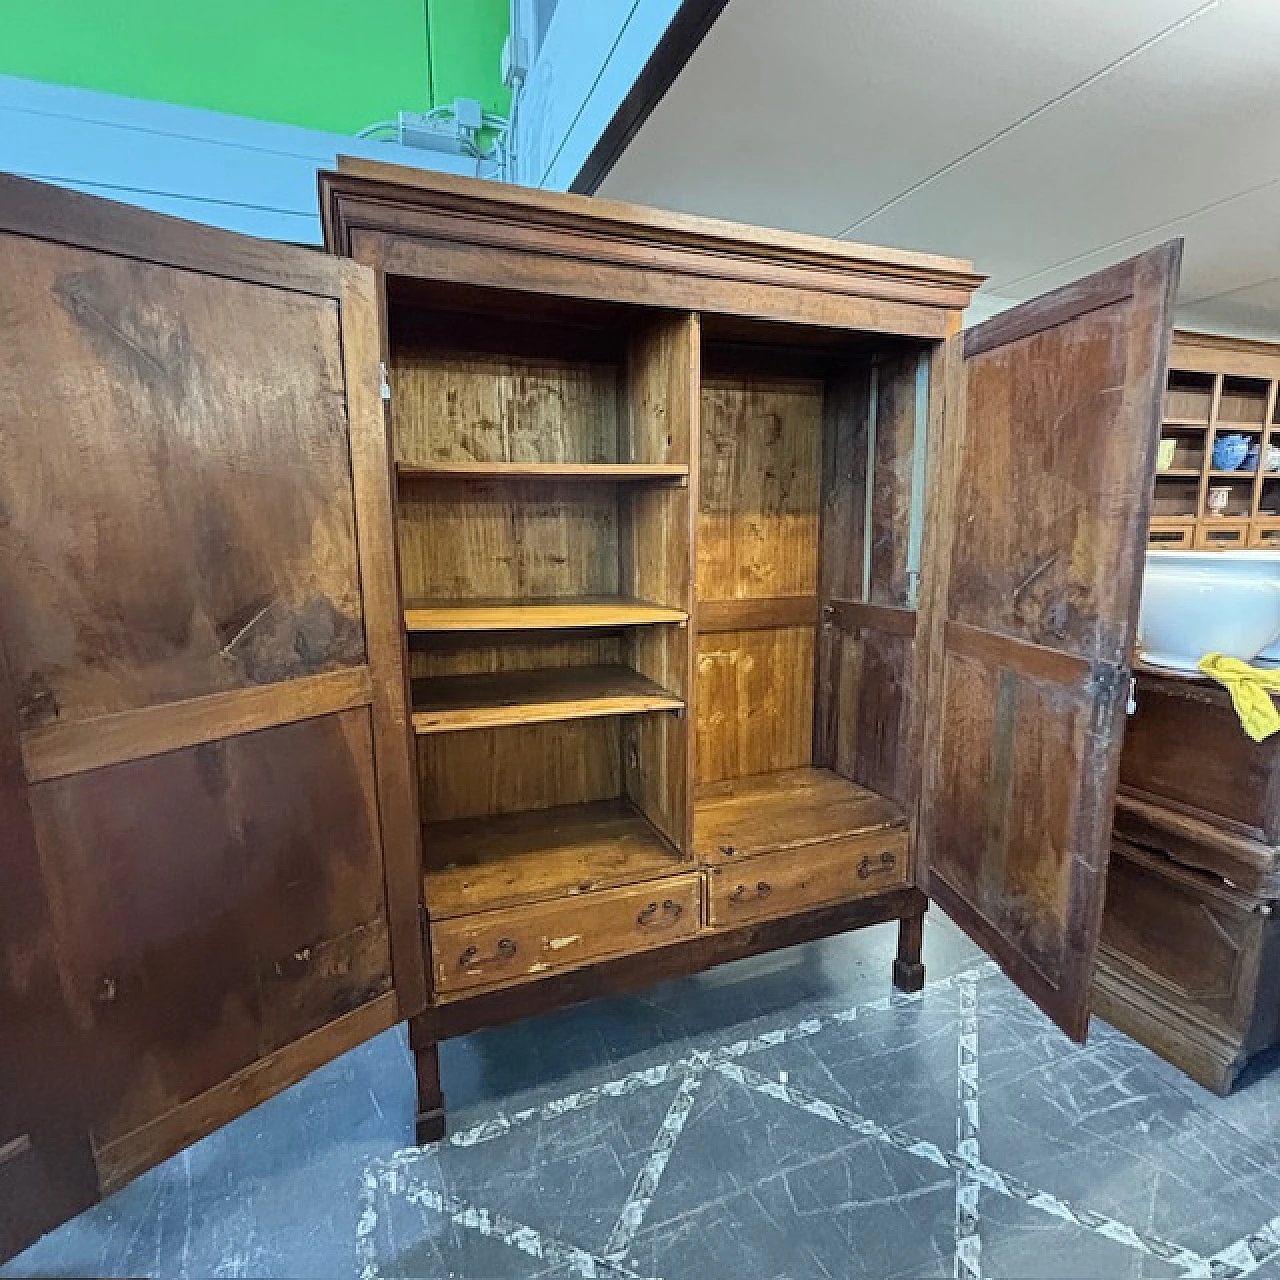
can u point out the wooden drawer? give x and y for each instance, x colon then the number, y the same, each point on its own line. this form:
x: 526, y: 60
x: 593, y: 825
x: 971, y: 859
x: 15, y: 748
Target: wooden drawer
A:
x: 519, y: 943
x: 1222, y: 535
x: 791, y: 880
x: 1167, y: 537
x: 1265, y: 534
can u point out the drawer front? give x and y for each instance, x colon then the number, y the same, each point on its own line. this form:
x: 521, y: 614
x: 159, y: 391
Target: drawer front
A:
x: 1265, y: 534
x: 520, y: 943
x: 1169, y: 536
x: 792, y: 880
x: 1224, y: 535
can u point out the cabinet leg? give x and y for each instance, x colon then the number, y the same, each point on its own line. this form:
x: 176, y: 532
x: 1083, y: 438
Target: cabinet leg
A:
x: 908, y: 971
x: 426, y: 1059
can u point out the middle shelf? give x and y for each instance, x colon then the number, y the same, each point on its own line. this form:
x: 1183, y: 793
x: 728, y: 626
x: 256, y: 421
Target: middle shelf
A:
x: 565, y: 614
x: 493, y: 700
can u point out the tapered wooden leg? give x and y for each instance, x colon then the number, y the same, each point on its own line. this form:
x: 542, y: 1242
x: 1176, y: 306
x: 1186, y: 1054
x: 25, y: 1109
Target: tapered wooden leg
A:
x: 908, y: 971
x: 426, y: 1058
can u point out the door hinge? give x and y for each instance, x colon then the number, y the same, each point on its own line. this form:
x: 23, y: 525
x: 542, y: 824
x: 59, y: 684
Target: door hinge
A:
x: 1108, y: 684
x: 384, y: 382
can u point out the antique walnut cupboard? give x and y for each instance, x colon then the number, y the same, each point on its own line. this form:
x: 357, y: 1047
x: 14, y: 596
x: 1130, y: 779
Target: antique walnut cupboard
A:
x: 555, y: 607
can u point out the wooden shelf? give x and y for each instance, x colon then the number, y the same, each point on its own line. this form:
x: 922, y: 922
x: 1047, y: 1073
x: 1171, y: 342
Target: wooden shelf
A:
x: 528, y: 857
x: 1232, y: 475
x: 620, y: 471
x: 1179, y: 473
x: 1200, y: 424
x: 447, y: 704
x: 785, y: 810
x: 536, y: 615
x: 1244, y: 428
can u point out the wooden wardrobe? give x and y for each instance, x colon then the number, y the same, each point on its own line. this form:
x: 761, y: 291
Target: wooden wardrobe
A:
x: 531, y: 598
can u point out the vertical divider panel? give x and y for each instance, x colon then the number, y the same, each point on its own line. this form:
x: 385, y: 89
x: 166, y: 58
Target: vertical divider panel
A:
x: 657, y: 563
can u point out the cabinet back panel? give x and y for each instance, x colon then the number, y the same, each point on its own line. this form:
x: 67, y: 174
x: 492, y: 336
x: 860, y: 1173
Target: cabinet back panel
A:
x: 467, y: 659
x: 512, y: 540
x: 179, y: 513
x: 464, y: 407
x: 754, y: 702
x: 488, y: 771
x: 759, y: 471
x: 758, y: 496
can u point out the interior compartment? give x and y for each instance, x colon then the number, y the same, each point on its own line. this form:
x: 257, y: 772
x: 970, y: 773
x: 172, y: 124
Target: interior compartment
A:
x: 1189, y: 398
x: 1175, y: 496
x: 1243, y: 402
x: 544, y: 530
x: 1188, y: 450
x: 811, y: 493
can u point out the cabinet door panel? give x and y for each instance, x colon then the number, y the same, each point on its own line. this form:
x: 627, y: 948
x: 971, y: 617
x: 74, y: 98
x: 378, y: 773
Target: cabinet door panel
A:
x: 206, y: 703
x: 1052, y: 420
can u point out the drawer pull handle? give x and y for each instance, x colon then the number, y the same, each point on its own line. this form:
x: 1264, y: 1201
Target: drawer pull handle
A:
x: 738, y: 896
x: 660, y: 917
x: 880, y: 866
x: 504, y: 953
x: 728, y: 850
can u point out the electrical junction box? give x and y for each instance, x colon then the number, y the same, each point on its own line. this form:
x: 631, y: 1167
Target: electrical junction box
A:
x: 430, y: 132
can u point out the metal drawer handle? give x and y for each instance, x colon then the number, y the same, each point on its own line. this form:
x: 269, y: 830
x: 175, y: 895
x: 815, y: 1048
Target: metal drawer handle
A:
x: 504, y: 953
x: 880, y: 866
x: 728, y: 850
x: 738, y: 896
x: 655, y: 917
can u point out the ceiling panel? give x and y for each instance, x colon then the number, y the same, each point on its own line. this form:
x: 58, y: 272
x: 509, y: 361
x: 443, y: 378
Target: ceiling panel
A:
x: 1184, y: 127
x: 1042, y: 140
x: 810, y: 114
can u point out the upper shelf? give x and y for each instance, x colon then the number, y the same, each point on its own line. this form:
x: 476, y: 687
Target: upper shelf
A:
x: 537, y: 615
x: 622, y: 471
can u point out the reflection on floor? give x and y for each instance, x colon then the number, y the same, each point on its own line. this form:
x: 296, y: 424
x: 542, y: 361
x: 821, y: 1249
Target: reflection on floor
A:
x: 785, y: 1116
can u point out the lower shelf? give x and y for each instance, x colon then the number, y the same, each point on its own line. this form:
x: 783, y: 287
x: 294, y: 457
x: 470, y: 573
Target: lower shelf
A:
x: 547, y: 853
x: 445, y: 704
x: 785, y: 810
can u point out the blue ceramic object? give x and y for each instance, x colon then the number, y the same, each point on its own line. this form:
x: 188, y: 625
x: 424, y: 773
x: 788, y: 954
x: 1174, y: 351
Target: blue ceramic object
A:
x: 1229, y: 451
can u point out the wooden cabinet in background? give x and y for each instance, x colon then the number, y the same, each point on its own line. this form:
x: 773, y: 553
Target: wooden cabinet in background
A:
x: 561, y: 597
x: 1190, y: 956
x: 1218, y: 386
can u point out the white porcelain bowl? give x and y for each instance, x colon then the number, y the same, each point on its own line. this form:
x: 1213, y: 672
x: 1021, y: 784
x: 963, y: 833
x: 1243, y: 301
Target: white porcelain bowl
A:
x: 1198, y: 602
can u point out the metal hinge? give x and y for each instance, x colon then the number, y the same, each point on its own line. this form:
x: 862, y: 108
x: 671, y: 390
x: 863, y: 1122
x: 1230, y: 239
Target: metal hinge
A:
x: 1107, y: 683
x: 384, y: 382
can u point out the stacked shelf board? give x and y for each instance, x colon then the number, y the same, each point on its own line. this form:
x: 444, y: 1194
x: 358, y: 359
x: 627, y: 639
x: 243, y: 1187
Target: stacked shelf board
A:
x: 1218, y: 386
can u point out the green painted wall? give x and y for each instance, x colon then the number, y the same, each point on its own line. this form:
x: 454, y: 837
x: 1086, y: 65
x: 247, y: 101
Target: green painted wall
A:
x: 336, y: 65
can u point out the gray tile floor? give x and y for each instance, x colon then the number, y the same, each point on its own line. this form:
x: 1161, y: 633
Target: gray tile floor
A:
x: 785, y: 1116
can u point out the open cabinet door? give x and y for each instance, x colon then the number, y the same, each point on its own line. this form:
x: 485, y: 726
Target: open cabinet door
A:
x: 1052, y: 418
x: 209, y: 861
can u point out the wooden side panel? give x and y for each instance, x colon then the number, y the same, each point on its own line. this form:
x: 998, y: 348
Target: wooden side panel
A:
x: 661, y: 415
x: 179, y: 515
x: 897, y: 426
x: 863, y: 722
x: 1053, y: 413
x: 508, y: 540
x: 759, y: 473
x: 474, y: 407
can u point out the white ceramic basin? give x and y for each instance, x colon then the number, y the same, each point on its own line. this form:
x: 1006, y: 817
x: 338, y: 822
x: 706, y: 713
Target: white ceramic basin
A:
x: 1198, y: 602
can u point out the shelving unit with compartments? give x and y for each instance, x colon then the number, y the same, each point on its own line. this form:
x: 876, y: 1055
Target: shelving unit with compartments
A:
x: 1218, y: 386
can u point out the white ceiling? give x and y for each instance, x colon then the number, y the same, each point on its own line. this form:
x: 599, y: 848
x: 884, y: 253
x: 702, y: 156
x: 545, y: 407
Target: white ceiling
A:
x: 1040, y: 138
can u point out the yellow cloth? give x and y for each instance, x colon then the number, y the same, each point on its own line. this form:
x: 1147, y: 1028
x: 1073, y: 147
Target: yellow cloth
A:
x: 1250, y: 689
